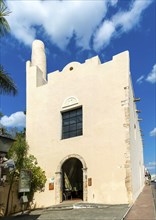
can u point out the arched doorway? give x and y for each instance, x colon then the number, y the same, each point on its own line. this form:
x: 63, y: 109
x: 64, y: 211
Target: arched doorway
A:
x: 72, y: 179
x: 64, y: 167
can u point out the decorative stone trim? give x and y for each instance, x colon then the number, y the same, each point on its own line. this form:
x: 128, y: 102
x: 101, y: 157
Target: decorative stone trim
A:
x: 58, y: 173
x: 70, y: 102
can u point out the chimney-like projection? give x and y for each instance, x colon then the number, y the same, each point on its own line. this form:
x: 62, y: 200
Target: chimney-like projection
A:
x: 38, y: 57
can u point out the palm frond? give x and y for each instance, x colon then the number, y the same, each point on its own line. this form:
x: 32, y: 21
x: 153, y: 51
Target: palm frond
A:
x: 4, y: 26
x: 7, y: 85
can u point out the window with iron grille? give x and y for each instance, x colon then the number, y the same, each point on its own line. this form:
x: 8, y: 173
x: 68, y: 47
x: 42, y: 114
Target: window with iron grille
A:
x: 72, y: 123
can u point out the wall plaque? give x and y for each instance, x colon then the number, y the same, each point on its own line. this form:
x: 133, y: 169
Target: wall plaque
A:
x: 51, y: 186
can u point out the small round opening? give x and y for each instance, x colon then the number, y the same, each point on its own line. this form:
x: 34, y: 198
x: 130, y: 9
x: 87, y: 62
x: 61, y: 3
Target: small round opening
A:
x: 71, y: 68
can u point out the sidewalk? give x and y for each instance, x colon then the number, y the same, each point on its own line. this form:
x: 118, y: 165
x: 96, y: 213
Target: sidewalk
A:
x: 143, y: 208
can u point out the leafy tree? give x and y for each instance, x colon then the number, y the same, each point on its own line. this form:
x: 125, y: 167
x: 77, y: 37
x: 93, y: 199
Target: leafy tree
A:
x: 19, y: 153
x: 3, y: 130
x: 38, y: 178
x: 7, y: 85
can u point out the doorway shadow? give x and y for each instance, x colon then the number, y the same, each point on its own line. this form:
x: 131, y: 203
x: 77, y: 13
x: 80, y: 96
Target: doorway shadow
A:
x: 72, y: 179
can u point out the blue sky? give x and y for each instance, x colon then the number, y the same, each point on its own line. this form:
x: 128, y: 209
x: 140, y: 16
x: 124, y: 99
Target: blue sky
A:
x: 76, y: 31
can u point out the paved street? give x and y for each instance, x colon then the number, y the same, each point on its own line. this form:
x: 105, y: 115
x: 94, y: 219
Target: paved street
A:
x: 21, y: 217
x: 78, y: 212
x: 143, y: 208
x: 83, y: 213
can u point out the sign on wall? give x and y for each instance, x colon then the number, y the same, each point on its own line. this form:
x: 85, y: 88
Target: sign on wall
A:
x: 51, y: 183
x: 25, y: 181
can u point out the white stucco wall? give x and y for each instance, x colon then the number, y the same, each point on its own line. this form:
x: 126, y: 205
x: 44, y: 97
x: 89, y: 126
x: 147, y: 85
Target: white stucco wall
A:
x: 136, y: 148
x: 101, y: 91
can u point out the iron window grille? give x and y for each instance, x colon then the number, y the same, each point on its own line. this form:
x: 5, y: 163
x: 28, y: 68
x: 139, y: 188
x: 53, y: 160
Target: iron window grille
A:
x: 72, y: 123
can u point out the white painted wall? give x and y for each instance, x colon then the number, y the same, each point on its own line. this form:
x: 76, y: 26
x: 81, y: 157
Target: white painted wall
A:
x: 137, y: 163
x: 101, y: 90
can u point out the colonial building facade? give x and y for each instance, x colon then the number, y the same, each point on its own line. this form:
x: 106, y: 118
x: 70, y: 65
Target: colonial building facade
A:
x: 82, y: 125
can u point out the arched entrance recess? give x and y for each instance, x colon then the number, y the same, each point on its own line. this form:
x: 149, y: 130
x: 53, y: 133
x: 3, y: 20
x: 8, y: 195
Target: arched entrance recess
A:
x: 59, y: 174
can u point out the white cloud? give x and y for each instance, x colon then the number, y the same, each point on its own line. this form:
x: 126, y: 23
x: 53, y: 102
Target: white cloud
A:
x: 153, y: 132
x: 151, y: 165
x: 60, y: 19
x: 152, y: 75
x: 128, y: 19
x: 17, y: 119
x: 114, y: 2
x: 121, y: 22
x: 140, y: 79
x: 104, y: 34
